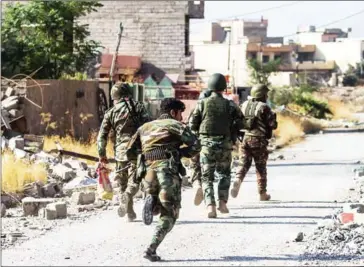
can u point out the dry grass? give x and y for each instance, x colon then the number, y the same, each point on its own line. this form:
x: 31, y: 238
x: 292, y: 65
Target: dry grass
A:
x: 341, y: 110
x: 289, y: 131
x: 16, y: 173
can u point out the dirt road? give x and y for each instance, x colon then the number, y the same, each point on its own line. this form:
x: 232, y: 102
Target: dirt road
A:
x: 306, y: 186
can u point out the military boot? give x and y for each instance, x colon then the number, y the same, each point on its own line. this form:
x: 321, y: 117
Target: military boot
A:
x: 198, y: 192
x: 131, y: 215
x: 151, y: 255
x: 235, y: 190
x: 150, y: 203
x: 264, y: 197
x: 211, y: 211
x: 222, y: 207
x: 122, y: 210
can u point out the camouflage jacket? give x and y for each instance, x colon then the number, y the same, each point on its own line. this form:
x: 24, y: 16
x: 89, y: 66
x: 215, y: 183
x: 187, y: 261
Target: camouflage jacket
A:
x: 165, y: 131
x: 266, y: 120
x: 119, y: 119
x: 236, y: 120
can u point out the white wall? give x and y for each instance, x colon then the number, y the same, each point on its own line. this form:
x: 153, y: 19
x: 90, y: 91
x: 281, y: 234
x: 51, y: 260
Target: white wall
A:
x: 214, y: 58
x: 345, y: 52
x: 282, y: 79
x: 309, y: 38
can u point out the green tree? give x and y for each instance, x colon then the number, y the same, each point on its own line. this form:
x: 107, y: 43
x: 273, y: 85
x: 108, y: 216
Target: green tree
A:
x: 260, y: 72
x: 46, y: 35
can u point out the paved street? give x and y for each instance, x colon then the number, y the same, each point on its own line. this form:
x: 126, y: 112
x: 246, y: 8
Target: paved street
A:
x: 307, y: 185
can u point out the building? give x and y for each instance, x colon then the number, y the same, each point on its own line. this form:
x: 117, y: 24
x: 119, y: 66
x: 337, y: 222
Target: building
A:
x: 155, y: 31
x: 333, y: 45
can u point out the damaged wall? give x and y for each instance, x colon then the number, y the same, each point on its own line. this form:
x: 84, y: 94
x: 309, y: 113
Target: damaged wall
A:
x: 60, y: 100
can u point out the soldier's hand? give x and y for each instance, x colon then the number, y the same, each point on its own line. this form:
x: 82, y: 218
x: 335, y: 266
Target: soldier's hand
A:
x: 103, y: 160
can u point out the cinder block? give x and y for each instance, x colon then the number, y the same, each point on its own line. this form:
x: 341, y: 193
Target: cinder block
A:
x: 60, y: 208
x: 83, y: 198
x: 31, y: 206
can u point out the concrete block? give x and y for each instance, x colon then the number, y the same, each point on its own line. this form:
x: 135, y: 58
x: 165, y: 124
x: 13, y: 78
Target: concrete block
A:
x: 31, y: 205
x: 83, y: 198
x: 34, y: 189
x: 10, y: 102
x: 51, y: 189
x: 48, y: 214
x: 63, y: 172
x: 60, y: 208
x: 16, y: 142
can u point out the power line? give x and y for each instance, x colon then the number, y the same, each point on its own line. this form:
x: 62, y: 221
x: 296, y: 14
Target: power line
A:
x: 284, y: 36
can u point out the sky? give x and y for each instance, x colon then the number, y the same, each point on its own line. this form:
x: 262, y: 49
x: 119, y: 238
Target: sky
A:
x: 286, y: 19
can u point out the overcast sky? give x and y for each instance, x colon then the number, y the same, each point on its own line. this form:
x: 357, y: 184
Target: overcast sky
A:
x: 285, y: 20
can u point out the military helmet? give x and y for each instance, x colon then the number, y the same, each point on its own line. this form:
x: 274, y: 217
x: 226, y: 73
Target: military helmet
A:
x: 120, y: 90
x: 217, y: 82
x: 259, y: 91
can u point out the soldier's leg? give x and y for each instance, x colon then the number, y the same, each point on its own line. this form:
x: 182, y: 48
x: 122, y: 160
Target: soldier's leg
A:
x: 223, y: 171
x: 121, y: 176
x: 260, y: 159
x: 169, y: 197
x: 208, y: 165
x: 245, y: 162
x: 130, y: 192
x: 196, y: 179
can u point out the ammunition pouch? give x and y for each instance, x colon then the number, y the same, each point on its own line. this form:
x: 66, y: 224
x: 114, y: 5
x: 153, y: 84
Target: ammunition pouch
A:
x: 141, y: 169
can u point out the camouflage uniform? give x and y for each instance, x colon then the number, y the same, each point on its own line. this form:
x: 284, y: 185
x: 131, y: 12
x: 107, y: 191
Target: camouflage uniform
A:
x: 254, y: 145
x: 195, y: 161
x: 153, y: 139
x: 213, y: 118
x: 118, y: 119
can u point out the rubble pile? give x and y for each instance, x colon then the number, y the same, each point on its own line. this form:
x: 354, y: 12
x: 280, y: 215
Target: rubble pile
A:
x: 12, y: 100
x: 69, y: 194
x: 342, y: 234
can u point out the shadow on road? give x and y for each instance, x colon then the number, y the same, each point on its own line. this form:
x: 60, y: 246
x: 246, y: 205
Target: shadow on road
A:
x: 299, y: 258
x: 224, y: 221
x: 276, y: 216
x: 282, y: 207
x: 295, y: 164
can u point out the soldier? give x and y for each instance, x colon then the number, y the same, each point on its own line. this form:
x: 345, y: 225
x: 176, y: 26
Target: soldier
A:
x: 195, y: 164
x: 213, y: 119
x: 260, y: 122
x: 122, y: 120
x: 160, y: 142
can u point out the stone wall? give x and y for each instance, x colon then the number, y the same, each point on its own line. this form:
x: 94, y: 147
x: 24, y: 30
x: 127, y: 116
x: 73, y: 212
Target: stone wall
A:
x: 153, y: 30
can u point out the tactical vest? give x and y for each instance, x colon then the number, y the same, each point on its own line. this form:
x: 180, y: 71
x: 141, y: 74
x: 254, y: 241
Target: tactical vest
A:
x: 216, y: 117
x: 253, y: 121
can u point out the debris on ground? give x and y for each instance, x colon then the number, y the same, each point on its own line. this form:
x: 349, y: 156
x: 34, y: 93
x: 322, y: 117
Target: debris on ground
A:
x: 343, y: 234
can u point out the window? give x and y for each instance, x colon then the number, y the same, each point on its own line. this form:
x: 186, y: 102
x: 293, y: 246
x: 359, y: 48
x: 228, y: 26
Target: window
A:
x: 265, y: 59
x: 276, y: 57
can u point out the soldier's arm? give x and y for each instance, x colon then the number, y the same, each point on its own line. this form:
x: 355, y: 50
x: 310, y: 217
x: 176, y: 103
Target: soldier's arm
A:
x: 195, y: 118
x: 237, y: 115
x: 270, y: 118
x: 134, y: 147
x: 193, y: 144
x: 103, y: 135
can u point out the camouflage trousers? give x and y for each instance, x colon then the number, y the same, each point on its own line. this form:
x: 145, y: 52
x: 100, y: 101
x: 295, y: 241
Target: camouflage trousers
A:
x: 125, y: 179
x: 169, y: 198
x: 215, y: 160
x: 254, y: 148
x: 196, y: 168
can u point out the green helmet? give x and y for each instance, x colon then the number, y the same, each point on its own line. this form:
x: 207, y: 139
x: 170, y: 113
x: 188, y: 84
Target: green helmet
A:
x: 120, y: 90
x: 217, y: 82
x: 259, y: 91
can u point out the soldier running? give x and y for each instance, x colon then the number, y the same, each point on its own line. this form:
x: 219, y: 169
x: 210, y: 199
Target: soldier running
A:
x: 122, y: 120
x: 260, y: 123
x: 160, y: 143
x: 213, y: 119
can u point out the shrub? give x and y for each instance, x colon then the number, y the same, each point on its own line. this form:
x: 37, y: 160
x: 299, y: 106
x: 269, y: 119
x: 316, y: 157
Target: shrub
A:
x: 350, y: 80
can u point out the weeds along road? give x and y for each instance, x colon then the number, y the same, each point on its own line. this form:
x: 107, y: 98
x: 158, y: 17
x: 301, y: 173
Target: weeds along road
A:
x: 306, y: 186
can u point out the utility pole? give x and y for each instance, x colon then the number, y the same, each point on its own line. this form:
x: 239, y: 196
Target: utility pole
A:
x: 112, y: 68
